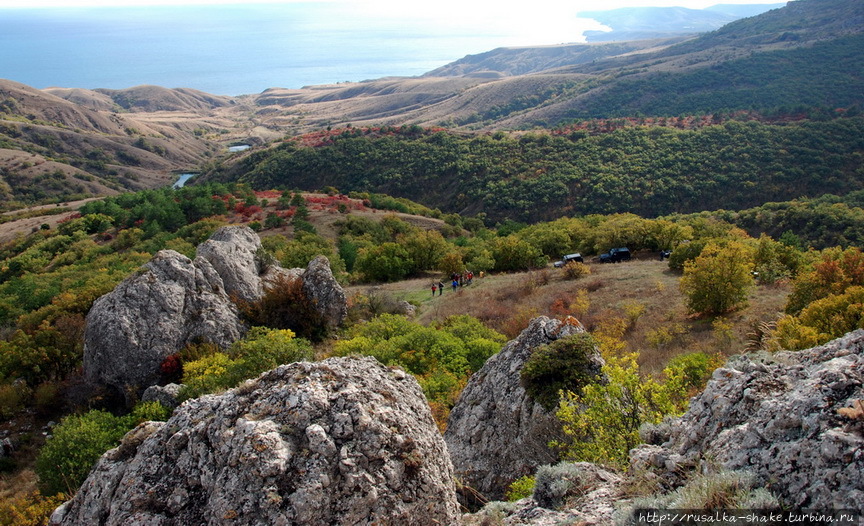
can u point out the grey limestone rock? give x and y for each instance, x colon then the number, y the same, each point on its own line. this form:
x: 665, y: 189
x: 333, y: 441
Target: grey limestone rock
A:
x: 233, y: 251
x: 496, y: 433
x: 566, y: 493
x: 776, y: 416
x: 153, y: 314
x: 175, y: 301
x: 164, y: 394
x: 407, y: 309
x: 325, y: 293
x: 342, y: 441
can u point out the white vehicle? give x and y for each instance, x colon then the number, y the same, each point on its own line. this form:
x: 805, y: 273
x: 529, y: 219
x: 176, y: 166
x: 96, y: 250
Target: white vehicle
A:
x: 568, y: 258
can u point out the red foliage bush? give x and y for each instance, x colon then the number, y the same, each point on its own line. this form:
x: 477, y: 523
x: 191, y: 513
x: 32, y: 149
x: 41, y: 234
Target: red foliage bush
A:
x: 171, y: 367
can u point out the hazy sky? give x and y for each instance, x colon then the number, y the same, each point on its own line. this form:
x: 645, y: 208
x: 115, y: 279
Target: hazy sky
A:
x: 403, y: 6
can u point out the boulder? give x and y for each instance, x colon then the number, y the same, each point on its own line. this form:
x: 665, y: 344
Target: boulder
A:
x: 324, y: 292
x: 167, y: 395
x: 496, y: 433
x: 566, y: 493
x: 175, y: 301
x: 342, y: 441
x: 234, y: 252
x: 153, y: 314
x: 784, y: 417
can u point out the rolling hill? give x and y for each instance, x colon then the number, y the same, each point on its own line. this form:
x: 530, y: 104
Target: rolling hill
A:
x: 781, y: 62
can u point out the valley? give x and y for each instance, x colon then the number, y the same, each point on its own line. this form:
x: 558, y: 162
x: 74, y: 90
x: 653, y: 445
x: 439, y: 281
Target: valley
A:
x: 727, y: 162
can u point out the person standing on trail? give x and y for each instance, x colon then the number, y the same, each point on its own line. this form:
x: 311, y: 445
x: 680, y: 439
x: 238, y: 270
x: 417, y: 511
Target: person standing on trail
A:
x: 455, y: 285
x: 440, y: 288
x: 434, y: 289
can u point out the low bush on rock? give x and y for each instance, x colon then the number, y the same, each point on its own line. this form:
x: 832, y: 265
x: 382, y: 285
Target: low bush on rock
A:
x: 521, y: 488
x: 285, y: 305
x: 557, y: 484
x: 564, y: 364
x: 708, y: 491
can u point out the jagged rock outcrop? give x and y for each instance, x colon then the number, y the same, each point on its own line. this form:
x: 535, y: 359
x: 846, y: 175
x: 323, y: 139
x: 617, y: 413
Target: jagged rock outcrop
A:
x: 235, y: 253
x: 567, y: 493
x: 781, y: 418
x: 176, y: 301
x: 153, y: 314
x: 324, y: 292
x: 496, y: 433
x: 342, y: 441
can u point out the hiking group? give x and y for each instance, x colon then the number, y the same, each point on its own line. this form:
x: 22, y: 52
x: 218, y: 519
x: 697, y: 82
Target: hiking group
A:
x: 456, y: 280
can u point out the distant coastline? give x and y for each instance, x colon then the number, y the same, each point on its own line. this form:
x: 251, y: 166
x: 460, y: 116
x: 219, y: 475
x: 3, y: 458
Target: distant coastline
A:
x: 232, y: 50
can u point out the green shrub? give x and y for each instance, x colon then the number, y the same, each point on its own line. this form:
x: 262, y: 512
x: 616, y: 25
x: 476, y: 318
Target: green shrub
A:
x: 601, y: 424
x: 274, y: 221
x: 563, y: 365
x: 823, y: 320
x: 261, y: 350
x: 384, y: 262
x: 511, y: 254
x: 149, y: 411
x: 77, y: 443
x: 441, y: 356
x: 210, y: 374
x: 719, y: 279
x: 686, y: 252
x: 520, y: 488
x: 774, y: 261
x: 687, y: 374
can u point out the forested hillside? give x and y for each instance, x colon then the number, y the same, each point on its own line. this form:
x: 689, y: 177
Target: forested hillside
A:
x: 731, y: 165
x: 584, y: 169
x: 771, y: 80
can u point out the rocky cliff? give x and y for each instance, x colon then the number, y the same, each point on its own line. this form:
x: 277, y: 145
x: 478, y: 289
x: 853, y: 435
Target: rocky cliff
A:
x: 496, y: 433
x: 342, y: 441
x: 175, y: 301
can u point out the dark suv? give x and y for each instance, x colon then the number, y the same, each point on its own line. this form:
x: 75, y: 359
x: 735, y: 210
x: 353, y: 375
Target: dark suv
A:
x: 616, y: 255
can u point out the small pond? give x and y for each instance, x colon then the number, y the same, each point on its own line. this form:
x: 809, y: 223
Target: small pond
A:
x: 238, y: 148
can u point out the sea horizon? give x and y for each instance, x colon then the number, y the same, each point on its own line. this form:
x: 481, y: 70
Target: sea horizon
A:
x: 245, y: 49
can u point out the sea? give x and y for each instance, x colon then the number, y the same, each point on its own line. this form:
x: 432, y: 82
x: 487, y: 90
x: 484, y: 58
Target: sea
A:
x: 248, y: 48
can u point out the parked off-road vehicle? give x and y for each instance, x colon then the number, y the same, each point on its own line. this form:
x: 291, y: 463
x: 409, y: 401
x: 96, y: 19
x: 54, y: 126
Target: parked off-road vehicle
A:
x: 568, y: 258
x: 616, y: 255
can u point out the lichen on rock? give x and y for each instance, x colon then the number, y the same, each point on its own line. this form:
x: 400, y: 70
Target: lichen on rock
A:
x: 342, y: 441
x: 153, y: 314
x: 778, y: 417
